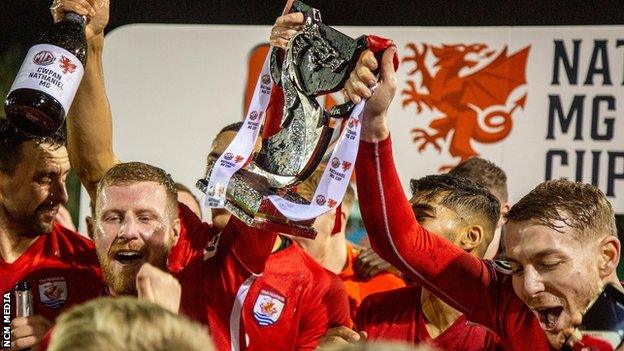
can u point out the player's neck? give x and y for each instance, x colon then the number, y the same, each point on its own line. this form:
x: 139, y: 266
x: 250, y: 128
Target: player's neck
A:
x: 12, y: 245
x: 438, y: 315
x: 613, y: 279
x: 336, y: 257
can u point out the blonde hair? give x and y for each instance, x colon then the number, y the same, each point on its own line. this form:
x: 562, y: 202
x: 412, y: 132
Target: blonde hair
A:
x: 126, y: 324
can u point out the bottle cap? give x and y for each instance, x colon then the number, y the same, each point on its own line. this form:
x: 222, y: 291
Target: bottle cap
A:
x: 22, y: 286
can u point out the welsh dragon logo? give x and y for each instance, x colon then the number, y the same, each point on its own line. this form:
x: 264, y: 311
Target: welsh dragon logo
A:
x: 473, y: 102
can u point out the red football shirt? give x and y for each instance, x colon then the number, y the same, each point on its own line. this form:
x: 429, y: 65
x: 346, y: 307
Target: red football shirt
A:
x: 468, y: 284
x: 192, y: 242
x: 295, y: 301
x: 214, y: 285
x: 61, y: 268
x: 383, y: 318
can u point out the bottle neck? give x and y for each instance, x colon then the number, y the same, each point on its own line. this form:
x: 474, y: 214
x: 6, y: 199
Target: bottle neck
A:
x: 75, y: 18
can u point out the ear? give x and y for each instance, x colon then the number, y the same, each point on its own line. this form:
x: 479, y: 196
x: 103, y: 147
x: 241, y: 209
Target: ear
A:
x: 90, y: 226
x: 503, y: 215
x: 176, y: 231
x: 610, y: 256
x: 472, y: 238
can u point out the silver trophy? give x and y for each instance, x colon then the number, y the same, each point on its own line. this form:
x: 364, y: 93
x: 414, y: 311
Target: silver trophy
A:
x: 317, y: 61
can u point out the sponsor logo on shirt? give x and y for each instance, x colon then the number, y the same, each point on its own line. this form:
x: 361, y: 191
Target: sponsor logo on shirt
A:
x: 53, y: 292
x: 268, y: 308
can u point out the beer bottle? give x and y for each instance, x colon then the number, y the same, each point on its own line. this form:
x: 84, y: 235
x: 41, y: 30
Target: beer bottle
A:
x: 23, y: 302
x: 47, y: 82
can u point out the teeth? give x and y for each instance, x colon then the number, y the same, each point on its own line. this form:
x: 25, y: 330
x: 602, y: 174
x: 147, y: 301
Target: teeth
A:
x: 549, y: 317
x: 128, y: 254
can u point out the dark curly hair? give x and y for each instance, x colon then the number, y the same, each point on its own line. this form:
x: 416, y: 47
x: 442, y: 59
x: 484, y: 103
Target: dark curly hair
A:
x: 11, y: 140
x: 466, y: 197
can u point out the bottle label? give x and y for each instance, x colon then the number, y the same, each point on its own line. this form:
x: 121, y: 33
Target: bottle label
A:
x: 53, y: 70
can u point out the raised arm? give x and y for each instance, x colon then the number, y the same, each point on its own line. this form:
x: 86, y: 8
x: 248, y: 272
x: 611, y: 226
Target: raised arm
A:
x: 453, y: 275
x: 89, y: 125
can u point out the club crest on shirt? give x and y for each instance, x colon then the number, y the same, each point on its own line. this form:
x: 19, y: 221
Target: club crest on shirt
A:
x: 53, y: 292
x: 268, y: 308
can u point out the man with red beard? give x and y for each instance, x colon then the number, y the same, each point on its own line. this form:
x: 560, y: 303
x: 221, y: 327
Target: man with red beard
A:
x: 138, y: 219
x: 561, y: 240
x: 59, y: 265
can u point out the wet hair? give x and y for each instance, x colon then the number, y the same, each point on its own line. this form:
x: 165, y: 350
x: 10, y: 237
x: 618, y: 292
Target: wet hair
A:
x: 580, y: 206
x: 308, y: 187
x: 126, y: 324
x: 485, y: 173
x: 462, y: 195
x: 12, y: 139
x: 234, y: 127
x: 137, y: 172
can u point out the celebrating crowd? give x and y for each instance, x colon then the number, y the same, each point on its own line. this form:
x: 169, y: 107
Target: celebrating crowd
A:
x: 452, y: 267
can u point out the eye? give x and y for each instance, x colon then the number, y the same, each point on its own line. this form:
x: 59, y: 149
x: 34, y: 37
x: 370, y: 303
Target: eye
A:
x: 112, y: 218
x: 421, y: 218
x: 550, y: 265
x: 421, y: 214
x: 145, y: 218
x: 44, y: 179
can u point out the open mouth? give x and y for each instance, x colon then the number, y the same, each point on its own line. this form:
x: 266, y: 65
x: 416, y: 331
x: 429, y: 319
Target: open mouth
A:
x: 549, y: 317
x: 50, y: 212
x: 128, y: 257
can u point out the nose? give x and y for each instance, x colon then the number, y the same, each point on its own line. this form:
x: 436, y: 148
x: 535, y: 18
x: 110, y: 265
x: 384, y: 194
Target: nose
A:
x: 532, y: 283
x: 129, y: 229
x: 58, y: 192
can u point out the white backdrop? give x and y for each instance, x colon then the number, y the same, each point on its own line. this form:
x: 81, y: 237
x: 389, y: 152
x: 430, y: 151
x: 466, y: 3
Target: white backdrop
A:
x: 172, y: 87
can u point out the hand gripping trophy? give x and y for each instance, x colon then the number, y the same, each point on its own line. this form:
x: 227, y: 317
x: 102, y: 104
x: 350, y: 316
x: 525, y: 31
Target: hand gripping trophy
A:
x: 258, y: 189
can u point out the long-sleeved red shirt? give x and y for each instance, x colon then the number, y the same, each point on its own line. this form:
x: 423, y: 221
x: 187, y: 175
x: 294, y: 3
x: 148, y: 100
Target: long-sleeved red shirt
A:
x: 466, y: 283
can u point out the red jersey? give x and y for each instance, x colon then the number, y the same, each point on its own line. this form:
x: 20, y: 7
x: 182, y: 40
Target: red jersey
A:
x: 383, y: 318
x: 468, y: 284
x: 218, y: 277
x: 191, y: 245
x: 358, y: 289
x: 61, y: 268
x: 295, y: 301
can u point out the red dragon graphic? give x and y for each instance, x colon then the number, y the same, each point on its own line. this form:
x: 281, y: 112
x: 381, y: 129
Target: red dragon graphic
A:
x: 67, y: 65
x: 463, y: 99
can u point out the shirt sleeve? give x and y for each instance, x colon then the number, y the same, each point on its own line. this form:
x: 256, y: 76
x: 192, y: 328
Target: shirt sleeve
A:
x: 194, y: 236
x: 460, y: 279
x: 326, y: 307
x: 249, y: 246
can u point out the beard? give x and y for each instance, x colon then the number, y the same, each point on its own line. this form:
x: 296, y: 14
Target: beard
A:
x: 582, y: 298
x: 35, y: 223
x: 120, y: 277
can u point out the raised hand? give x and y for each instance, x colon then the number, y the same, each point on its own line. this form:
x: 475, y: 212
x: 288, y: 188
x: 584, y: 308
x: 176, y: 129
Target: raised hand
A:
x: 96, y: 11
x: 359, y: 86
x: 159, y: 287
